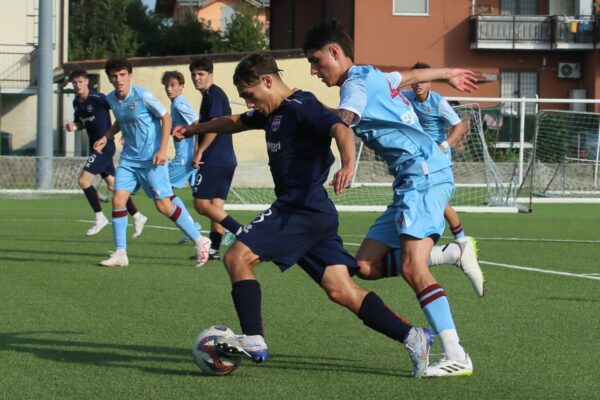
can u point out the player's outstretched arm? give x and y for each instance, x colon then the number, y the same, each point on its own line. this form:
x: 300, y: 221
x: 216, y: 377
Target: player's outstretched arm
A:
x: 461, y: 79
x: 226, y: 124
x: 344, y: 138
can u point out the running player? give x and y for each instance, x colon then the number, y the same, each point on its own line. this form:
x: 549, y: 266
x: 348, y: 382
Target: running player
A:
x: 146, y: 128
x: 301, y: 225
x: 92, y: 113
x: 371, y: 102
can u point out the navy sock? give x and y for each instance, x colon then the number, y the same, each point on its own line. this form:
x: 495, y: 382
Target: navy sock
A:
x: 392, y: 264
x: 247, y: 298
x: 92, y: 197
x: 231, y: 225
x: 376, y: 315
x: 131, y: 208
x: 215, y: 239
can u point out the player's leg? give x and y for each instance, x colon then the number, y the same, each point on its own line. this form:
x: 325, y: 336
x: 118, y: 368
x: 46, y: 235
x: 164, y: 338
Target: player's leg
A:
x: 119, y: 220
x: 453, y: 220
x: 139, y: 219
x: 86, y: 182
x: 214, y: 209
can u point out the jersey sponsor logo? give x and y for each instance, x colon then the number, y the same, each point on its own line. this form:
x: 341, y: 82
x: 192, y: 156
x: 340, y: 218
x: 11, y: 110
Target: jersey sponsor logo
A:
x: 262, y: 216
x: 132, y: 105
x: 274, y: 147
x: 88, y: 119
x: 276, y: 123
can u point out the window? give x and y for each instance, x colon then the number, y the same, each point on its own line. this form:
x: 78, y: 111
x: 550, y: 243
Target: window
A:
x: 518, y: 7
x: 412, y: 7
x: 518, y: 84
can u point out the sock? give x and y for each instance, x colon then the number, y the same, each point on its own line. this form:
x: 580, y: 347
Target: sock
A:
x: 391, y: 265
x: 377, y: 316
x: 215, y: 239
x: 457, y: 231
x: 177, y: 201
x: 119, y: 221
x: 446, y: 254
x: 247, y: 300
x: 231, y: 225
x: 184, y: 221
x: 131, y: 208
x: 92, y: 197
x: 436, y: 308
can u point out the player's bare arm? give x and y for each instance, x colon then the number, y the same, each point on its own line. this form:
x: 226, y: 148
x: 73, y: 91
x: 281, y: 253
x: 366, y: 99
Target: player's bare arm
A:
x: 455, y: 134
x: 73, y: 126
x: 344, y: 139
x: 109, y: 135
x: 160, y: 158
x: 206, y: 141
x: 226, y: 124
x: 461, y: 79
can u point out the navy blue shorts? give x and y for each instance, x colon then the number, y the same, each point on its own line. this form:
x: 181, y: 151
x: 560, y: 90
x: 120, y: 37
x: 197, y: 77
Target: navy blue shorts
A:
x: 101, y: 163
x: 213, y: 182
x: 287, y: 235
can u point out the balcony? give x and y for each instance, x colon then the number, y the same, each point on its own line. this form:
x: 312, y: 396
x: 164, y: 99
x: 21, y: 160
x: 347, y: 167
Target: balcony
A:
x: 17, y: 71
x: 537, y: 32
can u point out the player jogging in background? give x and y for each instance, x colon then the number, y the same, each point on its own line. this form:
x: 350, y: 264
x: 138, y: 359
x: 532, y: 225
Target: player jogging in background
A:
x: 402, y: 238
x: 181, y: 170
x: 214, y: 158
x: 435, y: 115
x: 301, y: 225
x: 92, y: 113
x: 146, y: 128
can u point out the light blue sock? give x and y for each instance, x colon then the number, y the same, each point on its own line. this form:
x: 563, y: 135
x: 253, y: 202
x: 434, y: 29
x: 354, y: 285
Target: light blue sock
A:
x: 436, y: 308
x: 119, y: 221
x: 184, y: 221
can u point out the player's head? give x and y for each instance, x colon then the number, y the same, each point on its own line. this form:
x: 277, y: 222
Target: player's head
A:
x: 422, y: 88
x: 201, y: 70
x: 173, y: 82
x: 330, y: 52
x: 119, y: 72
x: 256, y: 78
x: 80, y: 81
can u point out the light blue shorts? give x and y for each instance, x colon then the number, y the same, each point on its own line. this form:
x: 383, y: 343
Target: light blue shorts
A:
x: 181, y: 172
x: 154, y: 179
x: 417, y: 209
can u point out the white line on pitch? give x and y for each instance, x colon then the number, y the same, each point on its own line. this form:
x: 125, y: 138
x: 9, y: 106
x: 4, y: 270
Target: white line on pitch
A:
x: 543, y: 271
x: 515, y: 239
x: 166, y: 228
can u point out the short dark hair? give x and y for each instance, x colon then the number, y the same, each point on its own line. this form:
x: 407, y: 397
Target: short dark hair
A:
x: 420, y: 65
x: 203, y: 64
x: 168, y: 75
x: 117, y: 64
x: 253, y: 66
x: 326, y: 32
x: 76, y: 73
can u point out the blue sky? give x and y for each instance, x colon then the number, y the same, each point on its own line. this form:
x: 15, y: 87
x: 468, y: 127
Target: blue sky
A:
x: 149, y: 4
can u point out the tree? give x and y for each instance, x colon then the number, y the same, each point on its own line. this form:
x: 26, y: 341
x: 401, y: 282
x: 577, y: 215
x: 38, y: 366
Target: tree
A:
x: 243, y: 32
x: 98, y: 29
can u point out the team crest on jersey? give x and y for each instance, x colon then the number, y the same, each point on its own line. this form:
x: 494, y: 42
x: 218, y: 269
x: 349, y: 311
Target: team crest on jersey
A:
x: 132, y: 105
x: 89, y: 108
x: 276, y: 123
x: 427, y: 110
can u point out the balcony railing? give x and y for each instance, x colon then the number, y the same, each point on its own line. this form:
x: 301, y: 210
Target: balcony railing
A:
x: 17, y: 70
x: 532, y: 32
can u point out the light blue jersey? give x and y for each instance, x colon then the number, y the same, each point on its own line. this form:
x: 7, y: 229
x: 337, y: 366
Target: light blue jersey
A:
x: 435, y: 114
x: 182, y: 114
x: 139, y: 117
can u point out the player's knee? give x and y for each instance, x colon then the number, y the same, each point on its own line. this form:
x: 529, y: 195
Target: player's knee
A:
x: 366, y: 269
x: 84, y: 182
x: 200, y: 207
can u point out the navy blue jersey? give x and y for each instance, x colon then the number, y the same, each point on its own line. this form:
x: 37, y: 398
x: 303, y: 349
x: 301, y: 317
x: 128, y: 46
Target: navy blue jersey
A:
x: 215, y: 104
x: 94, y: 114
x: 299, y: 147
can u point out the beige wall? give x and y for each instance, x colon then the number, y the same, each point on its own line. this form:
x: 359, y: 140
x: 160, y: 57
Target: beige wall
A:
x: 249, y: 146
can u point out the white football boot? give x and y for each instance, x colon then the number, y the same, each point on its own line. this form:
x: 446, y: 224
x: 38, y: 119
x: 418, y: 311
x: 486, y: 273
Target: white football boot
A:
x: 448, y: 367
x: 469, y: 264
x: 101, y: 223
x: 117, y: 259
x: 202, y: 251
x: 139, y: 221
x: 251, y: 346
x: 417, y: 344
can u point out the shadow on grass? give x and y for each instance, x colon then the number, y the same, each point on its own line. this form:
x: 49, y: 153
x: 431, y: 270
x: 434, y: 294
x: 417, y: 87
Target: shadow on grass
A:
x: 64, y: 348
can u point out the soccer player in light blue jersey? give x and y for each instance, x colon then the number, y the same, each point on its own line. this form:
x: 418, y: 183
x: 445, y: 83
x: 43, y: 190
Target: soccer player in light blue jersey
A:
x: 436, y: 116
x: 146, y: 127
x: 371, y: 102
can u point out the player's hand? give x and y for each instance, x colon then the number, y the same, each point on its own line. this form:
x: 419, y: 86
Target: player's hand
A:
x: 462, y: 79
x: 99, y: 144
x: 181, y: 132
x: 160, y: 158
x: 197, y: 160
x: 70, y: 127
x: 342, y: 178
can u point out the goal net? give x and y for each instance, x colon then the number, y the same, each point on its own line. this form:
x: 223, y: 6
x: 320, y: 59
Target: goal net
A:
x: 566, y: 156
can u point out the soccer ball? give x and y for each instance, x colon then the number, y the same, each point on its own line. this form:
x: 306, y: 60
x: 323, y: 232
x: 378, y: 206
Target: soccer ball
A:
x: 206, y: 355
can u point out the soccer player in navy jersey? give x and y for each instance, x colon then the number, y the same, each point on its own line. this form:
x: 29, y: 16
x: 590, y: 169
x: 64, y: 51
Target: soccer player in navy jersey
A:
x: 91, y: 111
x: 214, y: 158
x: 435, y: 116
x: 301, y: 225
x: 401, y: 238
x: 146, y: 127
